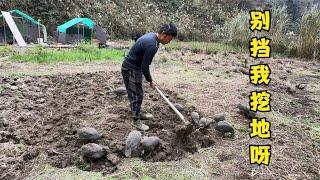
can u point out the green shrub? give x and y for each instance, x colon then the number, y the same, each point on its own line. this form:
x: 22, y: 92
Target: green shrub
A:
x: 309, y: 38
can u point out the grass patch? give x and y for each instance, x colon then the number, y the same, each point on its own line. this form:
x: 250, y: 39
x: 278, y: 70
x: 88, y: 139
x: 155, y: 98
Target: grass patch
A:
x: 165, y: 170
x: 131, y: 169
x: 5, y: 51
x: 49, y: 172
x: 317, y: 108
x: 197, y: 47
x: 315, y: 132
x: 1, y: 88
x: 84, y: 52
x: 311, y: 128
x: 20, y: 74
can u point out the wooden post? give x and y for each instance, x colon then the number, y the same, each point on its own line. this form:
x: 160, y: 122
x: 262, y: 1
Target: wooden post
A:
x: 91, y: 40
x: 4, y: 28
x: 83, y: 31
x: 39, y: 31
x: 78, y: 32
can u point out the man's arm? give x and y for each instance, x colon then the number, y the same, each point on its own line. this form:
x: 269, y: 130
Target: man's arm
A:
x: 146, y: 61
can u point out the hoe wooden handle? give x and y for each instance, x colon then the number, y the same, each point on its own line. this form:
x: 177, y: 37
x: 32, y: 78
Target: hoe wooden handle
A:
x: 172, y: 106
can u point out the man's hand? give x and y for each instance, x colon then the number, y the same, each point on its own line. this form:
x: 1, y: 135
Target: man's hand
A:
x: 152, y: 85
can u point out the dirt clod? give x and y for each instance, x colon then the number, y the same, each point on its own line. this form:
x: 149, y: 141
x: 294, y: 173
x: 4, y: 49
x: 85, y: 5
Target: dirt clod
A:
x: 113, y: 158
x: 73, y: 101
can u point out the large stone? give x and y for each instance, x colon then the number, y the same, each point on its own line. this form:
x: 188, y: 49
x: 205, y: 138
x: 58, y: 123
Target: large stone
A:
x: 244, y: 110
x: 150, y: 143
x: 88, y: 134
x: 179, y: 107
x: 219, y: 117
x: 120, y: 91
x: 92, y: 151
x: 223, y: 127
x: 132, y: 143
x: 204, y: 122
x: 195, y: 117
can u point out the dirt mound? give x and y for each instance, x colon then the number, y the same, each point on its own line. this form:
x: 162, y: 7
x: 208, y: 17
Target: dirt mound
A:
x: 40, y: 115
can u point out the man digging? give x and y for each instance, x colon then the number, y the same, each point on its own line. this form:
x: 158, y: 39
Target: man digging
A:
x: 137, y: 63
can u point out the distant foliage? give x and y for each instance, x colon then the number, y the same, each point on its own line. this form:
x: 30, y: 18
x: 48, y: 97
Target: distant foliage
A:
x: 195, y: 19
x: 309, y: 37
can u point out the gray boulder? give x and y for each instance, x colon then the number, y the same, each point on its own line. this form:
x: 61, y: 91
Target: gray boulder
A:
x: 204, y: 122
x: 150, y: 143
x: 224, y: 127
x: 244, y: 110
x: 88, y: 134
x: 132, y: 143
x: 195, y: 117
x: 179, y: 107
x: 92, y: 151
x: 219, y: 117
x: 121, y: 91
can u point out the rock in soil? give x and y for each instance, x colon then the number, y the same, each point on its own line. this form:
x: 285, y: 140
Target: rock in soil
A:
x: 244, y: 110
x: 88, y: 134
x: 132, y: 143
x: 92, y: 151
x: 179, y: 107
x: 301, y: 86
x: 146, y: 116
x: 113, y: 158
x: 195, y: 117
x: 150, y: 143
x: 204, y: 122
x: 219, y: 117
x: 224, y: 127
x: 120, y: 91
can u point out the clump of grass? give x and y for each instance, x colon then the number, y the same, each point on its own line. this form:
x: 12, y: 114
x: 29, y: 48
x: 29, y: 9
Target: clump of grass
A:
x: 280, y: 22
x: 237, y: 31
x: 309, y: 38
x: 206, y: 47
x: 5, y: 50
x: 1, y: 88
x: 174, y: 45
x: 84, y: 52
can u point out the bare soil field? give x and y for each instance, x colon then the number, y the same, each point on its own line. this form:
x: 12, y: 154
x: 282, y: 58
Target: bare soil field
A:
x: 43, y: 105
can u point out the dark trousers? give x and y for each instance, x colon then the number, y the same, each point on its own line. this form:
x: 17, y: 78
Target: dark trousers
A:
x: 133, y: 82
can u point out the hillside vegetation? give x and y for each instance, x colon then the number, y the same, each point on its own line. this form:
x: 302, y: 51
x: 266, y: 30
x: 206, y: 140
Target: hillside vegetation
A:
x: 197, y: 20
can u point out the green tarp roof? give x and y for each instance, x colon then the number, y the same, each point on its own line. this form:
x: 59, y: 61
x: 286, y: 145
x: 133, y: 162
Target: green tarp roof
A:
x: 63, y: 28
x: 25, y: 16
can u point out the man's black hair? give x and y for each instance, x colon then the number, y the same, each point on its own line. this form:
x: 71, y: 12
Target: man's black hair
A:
x: 168, y: 29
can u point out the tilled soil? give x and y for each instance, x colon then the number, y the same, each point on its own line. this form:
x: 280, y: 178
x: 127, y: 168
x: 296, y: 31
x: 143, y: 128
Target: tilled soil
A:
x: 40, y: 116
